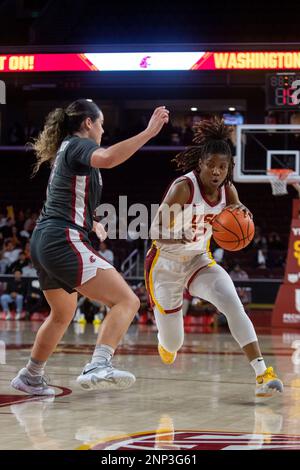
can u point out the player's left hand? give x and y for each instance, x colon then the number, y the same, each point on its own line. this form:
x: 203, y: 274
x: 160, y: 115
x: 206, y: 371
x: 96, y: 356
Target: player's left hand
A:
x: 99, y: 231
x: 240, y: 207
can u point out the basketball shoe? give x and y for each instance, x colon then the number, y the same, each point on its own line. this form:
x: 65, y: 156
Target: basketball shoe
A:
x: 267, y: 384
x: 82, y: 319
x: 167, y: 357
x: 103, y: 376
x: 97, y: 319
x: 31, y: 384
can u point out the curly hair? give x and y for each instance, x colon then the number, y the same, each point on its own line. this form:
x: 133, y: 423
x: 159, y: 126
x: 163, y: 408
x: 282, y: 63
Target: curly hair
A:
x: 210, y: 136
x: 60, y: 123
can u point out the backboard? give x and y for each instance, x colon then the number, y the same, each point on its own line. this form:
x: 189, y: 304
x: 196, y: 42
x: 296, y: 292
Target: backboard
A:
x: 263, y: 147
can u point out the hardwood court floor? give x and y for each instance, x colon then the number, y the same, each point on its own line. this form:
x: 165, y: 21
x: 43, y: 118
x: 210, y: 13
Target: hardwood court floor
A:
x: 204, y: 401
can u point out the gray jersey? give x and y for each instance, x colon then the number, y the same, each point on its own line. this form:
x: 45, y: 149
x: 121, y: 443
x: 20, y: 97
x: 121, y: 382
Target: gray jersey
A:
x: 74, y: 187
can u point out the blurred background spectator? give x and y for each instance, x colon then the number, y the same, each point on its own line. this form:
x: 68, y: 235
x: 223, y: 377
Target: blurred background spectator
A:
x: 106, y: 253
x: 14, y: 293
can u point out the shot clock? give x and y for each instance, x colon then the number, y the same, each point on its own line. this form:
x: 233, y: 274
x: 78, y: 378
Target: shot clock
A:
x: 282, y: 92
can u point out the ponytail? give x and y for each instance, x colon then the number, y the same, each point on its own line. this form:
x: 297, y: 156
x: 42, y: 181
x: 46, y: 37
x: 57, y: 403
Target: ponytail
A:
x: 49, y: 140
x: 60, y: 123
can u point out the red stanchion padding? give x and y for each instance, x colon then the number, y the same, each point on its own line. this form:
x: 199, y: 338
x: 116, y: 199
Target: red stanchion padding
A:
x: 287, y: 306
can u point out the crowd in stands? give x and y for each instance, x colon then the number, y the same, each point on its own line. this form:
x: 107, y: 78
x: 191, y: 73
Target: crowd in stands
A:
x: 172, y: 134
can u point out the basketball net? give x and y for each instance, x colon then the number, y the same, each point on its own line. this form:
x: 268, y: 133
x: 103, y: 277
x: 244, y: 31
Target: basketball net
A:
x: 278, y: 180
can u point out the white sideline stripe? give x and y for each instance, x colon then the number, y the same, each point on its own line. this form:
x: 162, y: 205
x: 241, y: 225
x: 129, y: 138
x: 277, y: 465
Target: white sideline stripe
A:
x: 80, y: 189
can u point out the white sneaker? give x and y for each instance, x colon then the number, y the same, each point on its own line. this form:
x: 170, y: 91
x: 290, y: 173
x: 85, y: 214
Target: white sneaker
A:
x: 8, y: 316
x: 31, y: 384
x: 104, y: 376
x: 18, y: 316
x: 97, y: 319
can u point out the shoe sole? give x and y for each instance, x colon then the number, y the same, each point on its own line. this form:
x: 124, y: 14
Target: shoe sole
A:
x: 168, y: 362
x: 94, y: 383
x: 17, y: 384
x: 270, y: 392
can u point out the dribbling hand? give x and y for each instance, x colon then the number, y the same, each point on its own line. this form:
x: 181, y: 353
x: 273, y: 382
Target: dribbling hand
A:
x: 240, y: 207
x: 159, y: 117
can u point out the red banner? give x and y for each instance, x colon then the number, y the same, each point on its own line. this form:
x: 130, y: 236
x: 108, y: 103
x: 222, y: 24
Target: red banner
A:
x: 45, y: 63
x: 151, y: 61
x: 248, y: 61
x: 287, y: 307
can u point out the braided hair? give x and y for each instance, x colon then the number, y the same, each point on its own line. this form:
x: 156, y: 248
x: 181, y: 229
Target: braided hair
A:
x: 210, y: 137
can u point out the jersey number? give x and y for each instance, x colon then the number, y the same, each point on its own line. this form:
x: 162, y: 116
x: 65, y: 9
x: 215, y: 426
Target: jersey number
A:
x: 198, y: 225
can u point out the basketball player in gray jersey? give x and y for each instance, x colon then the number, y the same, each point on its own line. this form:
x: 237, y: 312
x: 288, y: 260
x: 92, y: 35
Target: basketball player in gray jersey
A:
x: 60, y: 248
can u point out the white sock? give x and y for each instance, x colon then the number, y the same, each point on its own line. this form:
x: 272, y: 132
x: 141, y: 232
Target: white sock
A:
x: 102, y: 353
x: 35, y: 367
x: 258, y: 365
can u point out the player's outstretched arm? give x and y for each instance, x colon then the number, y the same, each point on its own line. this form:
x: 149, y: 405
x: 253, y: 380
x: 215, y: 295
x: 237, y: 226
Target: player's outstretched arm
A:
x: 119, y: 153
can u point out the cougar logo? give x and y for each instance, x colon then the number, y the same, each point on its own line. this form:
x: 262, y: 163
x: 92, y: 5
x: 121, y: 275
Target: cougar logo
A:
x: 92, y: 259
x: 144, y: 62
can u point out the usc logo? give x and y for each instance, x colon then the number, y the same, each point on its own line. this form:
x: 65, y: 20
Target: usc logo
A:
x: 297, y: 251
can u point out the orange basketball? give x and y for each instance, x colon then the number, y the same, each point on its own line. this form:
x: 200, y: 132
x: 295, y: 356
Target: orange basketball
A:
x: 233, y: 230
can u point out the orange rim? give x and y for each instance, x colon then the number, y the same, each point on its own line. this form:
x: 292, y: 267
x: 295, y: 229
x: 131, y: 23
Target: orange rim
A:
x: 280, y: 173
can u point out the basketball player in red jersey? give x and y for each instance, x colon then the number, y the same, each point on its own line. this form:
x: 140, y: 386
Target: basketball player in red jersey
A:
x: 180, y: 256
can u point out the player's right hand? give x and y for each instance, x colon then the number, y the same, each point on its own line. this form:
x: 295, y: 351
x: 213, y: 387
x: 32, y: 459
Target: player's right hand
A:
x: 159, y: 117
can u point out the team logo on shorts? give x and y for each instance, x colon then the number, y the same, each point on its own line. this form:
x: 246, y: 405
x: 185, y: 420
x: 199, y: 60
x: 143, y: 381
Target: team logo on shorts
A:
x: 92, y: 259
x: 199, y: 440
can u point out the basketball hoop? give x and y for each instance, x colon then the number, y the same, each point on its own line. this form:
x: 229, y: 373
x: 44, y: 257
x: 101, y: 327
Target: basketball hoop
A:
x: 278, y: 180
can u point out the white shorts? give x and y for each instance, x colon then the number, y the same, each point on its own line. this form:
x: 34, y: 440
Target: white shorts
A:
x: 168, y: 275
